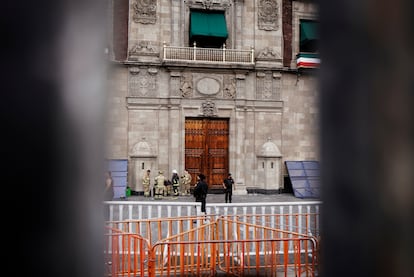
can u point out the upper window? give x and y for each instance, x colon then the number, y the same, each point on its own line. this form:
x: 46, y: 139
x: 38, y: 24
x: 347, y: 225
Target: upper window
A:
x: 309, y: 36
x: 208, y: 28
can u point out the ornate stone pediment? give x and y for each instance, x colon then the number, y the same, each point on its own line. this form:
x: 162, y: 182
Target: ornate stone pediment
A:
x: 142, y: 149
x: 269, y: 149
x: 209, y: 4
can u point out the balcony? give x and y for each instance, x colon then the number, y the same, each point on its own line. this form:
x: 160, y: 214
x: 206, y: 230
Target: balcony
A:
x: 208, y: 55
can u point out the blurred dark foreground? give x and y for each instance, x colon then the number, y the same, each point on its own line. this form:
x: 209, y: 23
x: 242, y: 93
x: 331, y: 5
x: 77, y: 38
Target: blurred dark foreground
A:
x: 53, y: 113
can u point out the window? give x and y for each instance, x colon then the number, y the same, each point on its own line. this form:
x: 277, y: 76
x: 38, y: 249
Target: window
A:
x: 308, y: 56
x: 208, y: 28
x: 309, y: 36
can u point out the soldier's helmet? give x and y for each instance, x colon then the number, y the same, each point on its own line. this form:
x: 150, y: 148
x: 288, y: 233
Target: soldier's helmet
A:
x: 174, y: 171
x: 160, y: 172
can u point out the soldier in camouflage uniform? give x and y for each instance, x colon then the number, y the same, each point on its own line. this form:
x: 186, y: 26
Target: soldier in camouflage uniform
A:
x: 146, y: 182
x: 186, y: 182
x: 159, y: 185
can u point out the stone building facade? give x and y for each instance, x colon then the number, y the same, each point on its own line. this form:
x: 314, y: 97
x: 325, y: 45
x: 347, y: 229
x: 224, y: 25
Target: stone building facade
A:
x: 269, y: 106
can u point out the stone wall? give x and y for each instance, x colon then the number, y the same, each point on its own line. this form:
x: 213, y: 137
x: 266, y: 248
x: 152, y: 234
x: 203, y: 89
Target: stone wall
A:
x: 300, y: 131
x: 117, y: 115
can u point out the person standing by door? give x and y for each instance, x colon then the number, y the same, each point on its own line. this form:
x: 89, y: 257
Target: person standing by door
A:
x: 228, y: 188
x: 200, y: 191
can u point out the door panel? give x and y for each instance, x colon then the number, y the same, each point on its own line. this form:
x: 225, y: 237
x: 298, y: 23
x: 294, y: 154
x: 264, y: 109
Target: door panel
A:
x: 206, y: 149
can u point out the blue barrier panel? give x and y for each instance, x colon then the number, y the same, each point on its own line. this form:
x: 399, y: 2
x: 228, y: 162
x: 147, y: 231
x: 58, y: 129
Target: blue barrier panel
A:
x: 119, y: 170
x: 304, y: 176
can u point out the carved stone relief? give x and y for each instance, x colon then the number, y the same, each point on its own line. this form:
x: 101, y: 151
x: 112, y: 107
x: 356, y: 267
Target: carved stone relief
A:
x: 268, y: 86
x: 229, y: 89
x: 209, y: 4
x: 208, y: 108
x: 186, y: 87
x: 145, y: 11
x: 268, y: 14
x: 144, y: 48
x: 142, y: 149
x: 143, y: 81
x: 269, y: 54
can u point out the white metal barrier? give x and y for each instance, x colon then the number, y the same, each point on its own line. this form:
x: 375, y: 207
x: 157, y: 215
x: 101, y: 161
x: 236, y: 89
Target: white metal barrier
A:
x: 302, y: 217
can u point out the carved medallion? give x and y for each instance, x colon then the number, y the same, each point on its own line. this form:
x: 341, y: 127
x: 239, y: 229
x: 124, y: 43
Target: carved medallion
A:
x: 208, y: 86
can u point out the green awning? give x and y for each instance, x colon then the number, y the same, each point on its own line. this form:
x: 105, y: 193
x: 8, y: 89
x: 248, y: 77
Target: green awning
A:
x: 308, y: 31
x: 208, y: 24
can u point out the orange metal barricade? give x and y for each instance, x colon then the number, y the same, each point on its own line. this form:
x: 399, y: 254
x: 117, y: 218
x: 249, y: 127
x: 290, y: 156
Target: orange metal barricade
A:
x: 255, y: 249
x: 157, y: 229
x: 197, y: 246
x: 126, y: 254
x: 189, y: 253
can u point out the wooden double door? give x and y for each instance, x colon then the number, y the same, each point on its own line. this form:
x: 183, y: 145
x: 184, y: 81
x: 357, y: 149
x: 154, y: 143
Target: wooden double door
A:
x: 207, y: 149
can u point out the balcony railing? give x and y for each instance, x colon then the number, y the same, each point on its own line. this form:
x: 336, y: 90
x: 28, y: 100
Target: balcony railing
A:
x: 212, y: 55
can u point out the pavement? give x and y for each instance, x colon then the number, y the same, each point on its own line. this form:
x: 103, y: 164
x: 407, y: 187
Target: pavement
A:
x: 219, y: 198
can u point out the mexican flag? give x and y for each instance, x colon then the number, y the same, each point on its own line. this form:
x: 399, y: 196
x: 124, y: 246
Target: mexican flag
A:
x: 307, y: 60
